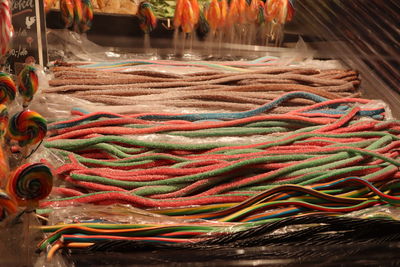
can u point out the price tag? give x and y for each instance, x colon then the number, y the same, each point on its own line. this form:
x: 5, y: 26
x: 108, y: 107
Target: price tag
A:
x: 29, y: 44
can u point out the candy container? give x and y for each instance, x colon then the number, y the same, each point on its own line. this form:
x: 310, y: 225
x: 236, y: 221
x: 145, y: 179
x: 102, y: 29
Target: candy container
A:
x: 28, y: 84
x: 67, y: 12
x: 7, y: 29
x: 7, y: 88
x: 8, y: 205
x: 27, y: 127
x: 30, y: 183
x: 148, y: 20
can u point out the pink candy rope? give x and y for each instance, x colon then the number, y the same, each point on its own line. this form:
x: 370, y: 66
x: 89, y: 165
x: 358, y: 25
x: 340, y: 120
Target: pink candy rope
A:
x: 7, y: 30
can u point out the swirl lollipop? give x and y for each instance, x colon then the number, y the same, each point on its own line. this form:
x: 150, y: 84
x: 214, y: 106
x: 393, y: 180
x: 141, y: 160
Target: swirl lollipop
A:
x: 8, y: 89
x: 148, y: 20
x: 30, y: 183
x: 27, y: 127
x: 28, y: 83
x: 7, y: 29
x: 67, y: 12
x: 7, y: 204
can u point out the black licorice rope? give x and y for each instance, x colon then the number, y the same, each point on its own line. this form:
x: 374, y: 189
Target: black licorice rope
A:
x: 313, y: 229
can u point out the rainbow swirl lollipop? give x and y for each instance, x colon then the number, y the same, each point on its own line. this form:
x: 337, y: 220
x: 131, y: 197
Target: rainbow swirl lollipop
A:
x: 3, y: 120
x: 67, y: 12
x: 28, y: 83
x: 148, y: 20
x: 27, y: 127
x: 30, y: 183
x: 8, y: 89
x: 7, y: 204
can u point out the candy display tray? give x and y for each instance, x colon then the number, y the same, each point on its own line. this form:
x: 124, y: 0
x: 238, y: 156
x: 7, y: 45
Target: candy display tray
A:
x: 122, y: 33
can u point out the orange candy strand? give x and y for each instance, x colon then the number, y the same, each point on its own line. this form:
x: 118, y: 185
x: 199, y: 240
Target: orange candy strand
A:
x: 223, y: 6
x: 178, y: 13
x: 187, y: 17
x: 214, y: 15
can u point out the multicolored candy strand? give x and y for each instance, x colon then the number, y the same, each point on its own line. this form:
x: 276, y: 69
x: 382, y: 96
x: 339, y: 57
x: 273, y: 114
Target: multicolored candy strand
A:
x: 27, y: 127
x: 87, y: 19
x: 7, y: 30
x: 148, y: 21
x: 28, y: 84
x: 30, y: 183
x: 67, y: 8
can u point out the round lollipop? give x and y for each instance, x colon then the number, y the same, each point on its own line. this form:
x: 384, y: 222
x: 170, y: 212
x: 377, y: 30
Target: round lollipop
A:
x: 30, y: 183
x: 7, y: 29
x: 7, y: 204
x: 28, y: 83
x: 27, y: 127
x: 8, y: 89
x: 148, y: 20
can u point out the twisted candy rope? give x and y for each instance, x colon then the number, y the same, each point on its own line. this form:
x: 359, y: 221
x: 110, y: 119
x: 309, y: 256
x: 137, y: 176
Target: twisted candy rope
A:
x: 67, y: 12
x: 28, y: 83
x: 8, y: 89
x: 7, y: 30
x: 30, y: 183
x: 148, y: 21
x: 27, y: 127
